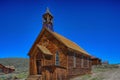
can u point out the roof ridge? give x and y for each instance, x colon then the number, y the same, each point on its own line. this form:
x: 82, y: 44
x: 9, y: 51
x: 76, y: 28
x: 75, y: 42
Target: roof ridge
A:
x: 68, y: 42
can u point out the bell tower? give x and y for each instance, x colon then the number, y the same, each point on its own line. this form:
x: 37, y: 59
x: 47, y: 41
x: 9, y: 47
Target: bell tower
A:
x: 48, y: 20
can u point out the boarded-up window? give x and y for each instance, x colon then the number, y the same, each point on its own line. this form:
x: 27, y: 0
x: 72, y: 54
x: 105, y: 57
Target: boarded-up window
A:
x: 74, y: 60
x: 57, y: 61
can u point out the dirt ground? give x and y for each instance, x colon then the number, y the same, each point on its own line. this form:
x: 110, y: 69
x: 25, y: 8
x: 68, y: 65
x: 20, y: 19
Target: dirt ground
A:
x: 108, y: 72
x: 102, y: 74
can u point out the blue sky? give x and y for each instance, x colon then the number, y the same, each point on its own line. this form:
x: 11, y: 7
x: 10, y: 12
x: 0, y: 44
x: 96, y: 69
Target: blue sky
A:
x: 92, y: 24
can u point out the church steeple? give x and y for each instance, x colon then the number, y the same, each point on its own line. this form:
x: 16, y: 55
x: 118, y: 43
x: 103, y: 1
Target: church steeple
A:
x: 48, y: 20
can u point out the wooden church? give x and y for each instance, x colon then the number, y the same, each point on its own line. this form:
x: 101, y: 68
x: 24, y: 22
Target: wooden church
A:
x: 54, y: 57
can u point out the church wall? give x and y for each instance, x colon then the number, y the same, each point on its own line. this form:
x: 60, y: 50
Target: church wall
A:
x: 32, y: 62
x: 66, y: 58
x: 58, y: 74
x: 53, y: 45
x: 79, y: 69
x: 61, y: 74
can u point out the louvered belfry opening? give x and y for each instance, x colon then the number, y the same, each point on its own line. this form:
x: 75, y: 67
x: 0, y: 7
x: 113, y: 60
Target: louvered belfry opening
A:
x: 48, y: 20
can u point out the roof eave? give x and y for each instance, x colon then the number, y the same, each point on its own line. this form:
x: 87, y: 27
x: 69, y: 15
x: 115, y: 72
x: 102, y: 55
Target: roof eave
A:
x: 37, y: 40
x: 76, y: 51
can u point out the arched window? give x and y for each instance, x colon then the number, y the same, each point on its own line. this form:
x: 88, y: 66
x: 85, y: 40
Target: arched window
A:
x: 57, y: 61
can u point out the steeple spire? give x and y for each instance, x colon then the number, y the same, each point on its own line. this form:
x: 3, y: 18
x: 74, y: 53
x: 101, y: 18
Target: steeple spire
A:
x: 47, y: 10
x: 48, y: 20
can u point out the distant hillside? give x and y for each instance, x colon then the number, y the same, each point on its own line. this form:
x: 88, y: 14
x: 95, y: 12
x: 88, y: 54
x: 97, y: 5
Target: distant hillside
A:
x: 20, y: 64
x: 21, y: 68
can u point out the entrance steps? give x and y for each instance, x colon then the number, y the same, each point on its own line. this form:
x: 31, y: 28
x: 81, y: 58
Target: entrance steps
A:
x: 34, y: 77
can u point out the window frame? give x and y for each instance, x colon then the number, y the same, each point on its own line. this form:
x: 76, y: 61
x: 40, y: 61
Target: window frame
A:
x: 57, y: 58
x: 88, y: 62
x: 82, y: 61
x: 74, y: 60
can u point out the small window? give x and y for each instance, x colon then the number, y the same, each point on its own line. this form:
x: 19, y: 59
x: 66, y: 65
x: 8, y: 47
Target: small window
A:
x: 57, y: 61
x: 82, y: 61
x: 88, y: 62
x: 74, y: 60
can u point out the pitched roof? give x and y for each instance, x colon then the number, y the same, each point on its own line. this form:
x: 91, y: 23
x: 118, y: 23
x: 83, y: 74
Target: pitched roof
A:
x: 65, y: 41
x: 68, y: 42
x: 44, y: 50
x: 1, y: 65
x: 93, y: 57
x: 11, y: 67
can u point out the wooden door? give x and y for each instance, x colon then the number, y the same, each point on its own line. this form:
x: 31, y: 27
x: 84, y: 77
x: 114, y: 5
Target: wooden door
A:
x: 39, y: 71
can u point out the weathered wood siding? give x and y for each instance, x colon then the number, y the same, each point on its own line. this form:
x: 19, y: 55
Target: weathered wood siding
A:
x: 96, y: 61
x: 53, y: 45
x: 5, y: 69
x: 79, y: 69
x: 66, y: 69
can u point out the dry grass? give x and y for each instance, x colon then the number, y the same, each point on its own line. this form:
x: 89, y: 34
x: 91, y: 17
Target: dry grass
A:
x: 104, y: 72
x: 21, y: 68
